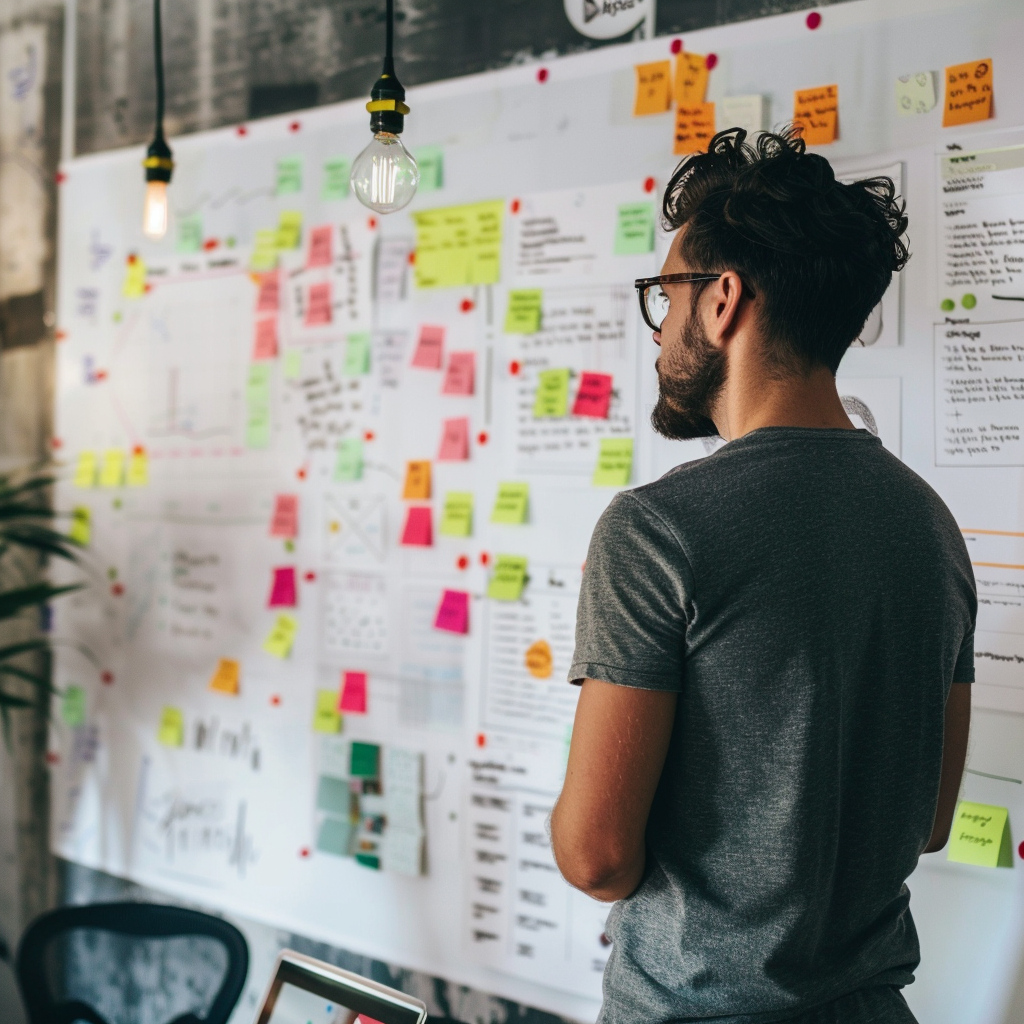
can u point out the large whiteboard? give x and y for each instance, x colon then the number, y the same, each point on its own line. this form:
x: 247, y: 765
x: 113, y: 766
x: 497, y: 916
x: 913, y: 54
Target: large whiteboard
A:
x: 181, y: 568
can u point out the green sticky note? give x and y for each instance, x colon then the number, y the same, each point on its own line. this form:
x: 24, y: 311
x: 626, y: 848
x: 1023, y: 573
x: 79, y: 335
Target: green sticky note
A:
x: 257, y: 382
x: 289, y: 229
x: 552, y: 398
x: 171, y: 732
x: 280, y: 639
x: 357, y: 354
x: 72, y: 706
x: 364, y: 760
x: 81, y: 525
x: 326, y: 716
x: 289, y: 175
x: 257, y: 427
x: 459, y: 245
x: 980, y: 835
x: 264, y: 250
x: 292, y: 365
x: 335, y: 836
x: 349, y: 464
x: 509, y: 578
x: 430, y: 160
x: 634, y: 229
x: 457, y: 516
x: 523, y: 314
x: 333, y: 794
x: 190, y: 233
x: 368, y: 860
x: 337, y: 172
x: 511, y: 504
x: 257, y: 400
x: 614, y: 462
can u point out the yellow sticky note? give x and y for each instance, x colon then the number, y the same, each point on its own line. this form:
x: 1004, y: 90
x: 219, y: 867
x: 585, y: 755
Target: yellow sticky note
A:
x: 85, y: 470
x: 695, y: 127
x: 417, y: 481
x: 457, y: 517
x: 511, y: 504
x: 81, y: 525
x: 915, y: 94
x: 691, y: 79
x: 523, y: 314
x: 459, y: 245
x: 326, y: 716
x: 280, y: 639
x: 225, y: 676
x: 112, y: 470
x: 134, y: 284
x: 980, y: 835
x: 264, y: 250
x: 171, y: 732
x: 289, y: 229
x: 653, y: 88
x: 138, y: 468
x: 552, y: 397
x: 509, y: 578
x: 816, y: 114
x: 614, y: 462
x: 968, y: 93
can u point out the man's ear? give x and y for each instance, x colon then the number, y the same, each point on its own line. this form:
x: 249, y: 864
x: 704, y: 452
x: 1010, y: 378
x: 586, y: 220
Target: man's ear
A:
x: 723, y: 303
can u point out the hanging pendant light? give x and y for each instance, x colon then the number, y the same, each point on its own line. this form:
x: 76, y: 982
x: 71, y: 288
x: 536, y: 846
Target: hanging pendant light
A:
x: 158, y: 163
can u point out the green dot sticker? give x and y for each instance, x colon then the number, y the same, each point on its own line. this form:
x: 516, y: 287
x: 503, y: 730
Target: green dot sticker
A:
x: 230, y: 241
x: 112, y: 573
x: 947, y: 305
x: 117, y: 317
x: 117, y: 503
x: 289, y: 545
x: 968, y: 301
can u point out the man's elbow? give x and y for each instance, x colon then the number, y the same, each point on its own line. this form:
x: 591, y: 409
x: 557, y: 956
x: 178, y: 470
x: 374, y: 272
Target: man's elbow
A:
x: 938, y: 840
x: 604, y: 875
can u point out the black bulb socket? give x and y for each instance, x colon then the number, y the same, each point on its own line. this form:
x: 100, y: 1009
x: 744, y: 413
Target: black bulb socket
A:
x: 387, y: 102
x: 158, y: 163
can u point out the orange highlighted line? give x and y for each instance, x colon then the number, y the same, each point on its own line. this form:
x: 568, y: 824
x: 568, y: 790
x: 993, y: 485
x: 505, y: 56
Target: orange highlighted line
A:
x: 998, y: 565
x: 994, y: 533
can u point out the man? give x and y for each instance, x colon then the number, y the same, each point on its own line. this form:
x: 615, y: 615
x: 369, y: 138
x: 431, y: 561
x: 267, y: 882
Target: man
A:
x: 775, y: 643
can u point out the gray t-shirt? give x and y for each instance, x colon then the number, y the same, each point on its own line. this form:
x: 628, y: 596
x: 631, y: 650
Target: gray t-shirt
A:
x: 811, y: 600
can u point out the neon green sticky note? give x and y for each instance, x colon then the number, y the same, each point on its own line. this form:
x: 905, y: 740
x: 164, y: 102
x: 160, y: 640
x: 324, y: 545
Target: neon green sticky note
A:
x: 280, y: 639
x: 289, y: 229
x: 257, y: 400
x: 457, y: 516
x: 509, y: 578
x: 364, y: 760
x: 552, y: 398
x: 85, y: 469
x: 292, y: 364
x: 264, y: 250
x: 190, y: 232
x: 980, y: 835
x: 72, y: 706
x: 430, y: 160
x: 134, y: 284
x: 459, y: 245
x: 614, y: 462
x: 337, y: 172
x: 326, y: 717
x: 357, y: 354
x: 81, y: 525
x: 634, y: 229
x: 348, y: 465
x: 138, y: 468
x: 511, y: 504
x: 523, y: 314
x: 171, y: 731
x: 289, y: 175
x: 112, y: 469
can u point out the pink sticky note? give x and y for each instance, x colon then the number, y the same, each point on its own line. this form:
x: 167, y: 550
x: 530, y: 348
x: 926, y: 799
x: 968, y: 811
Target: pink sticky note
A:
x: 429, y: 348
x: 453, y: 612
x: 460, y: 376
x: 265, y: 345
x: 594, y: 395
x: 454, y: 440
x: 353, y: 693
x: 318, y: 309
x: 285, y: 522
x: 268, y: 299
x: 419, y: 529
x: 282, y: 590
x: 320, y: 246
x: 363, y: 1019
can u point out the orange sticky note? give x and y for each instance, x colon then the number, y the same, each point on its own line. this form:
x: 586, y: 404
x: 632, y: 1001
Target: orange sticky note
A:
x: 968, y: 93
x: 695, y: 127
x: 816, y: 113
x: 225, y: 677
x: 691, y: 83
x: 653, y: 92
x: 417, y: 481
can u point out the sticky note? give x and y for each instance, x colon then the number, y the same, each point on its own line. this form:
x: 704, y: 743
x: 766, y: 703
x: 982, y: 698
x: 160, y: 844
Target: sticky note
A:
x: 429, y: 348
x: 289, y: 229
x: 85, y: 469
x: 326, y: 716
x: 511, y: 504
x: 454, y: 440
x: 190, y: 232
x: 364, y: 760
x: 453, y: 612
x: 225, y: 676
x: 915, y: 94
x: 509, y: 578
x: 460, y: 375
x: 134, y: 284
x: 980, y: 835
x: 968, y: 93
x: 318, y: 304
x: 320, y: 246
x: 257, y: 401
x: 691, y: 78
x: 112, y: 469
x: 138, y: 468
x: 257, y: 427
x: 539, y: 660
x: 594, y: 395
x: 459, y: 245
x: 265, y: 344
x: 72, y: 706
x: 285, y: 520
x: 357, y: 354
x: 457, y: 514
x: 348, y: 465
x: 283, y: 592
x: 81, y: 525
x: 418, y: 531
x: 264, y: 250
x: 552, y: 397
x: 816, y: 114
x: 353, y: 693
x: 292, y: 365
x: 614, y: 462
x: 289, y: 176
x: 695, y: 128
x: 634, y: 229
x: 746, y: 112
x: 417, y: 481
x: 337, y: 172
x: 333, y: 795
x: 430, y: 160
x: 335, y: 836
x: 653, y: 88
x: 281, y: 636
x: 171, y: 731
x: 523, y: 313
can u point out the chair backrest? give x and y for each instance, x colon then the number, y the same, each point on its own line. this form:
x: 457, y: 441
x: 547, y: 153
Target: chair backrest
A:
x: 142, y: 920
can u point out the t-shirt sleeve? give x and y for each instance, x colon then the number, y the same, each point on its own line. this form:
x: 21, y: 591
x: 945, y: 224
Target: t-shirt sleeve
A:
x: 631, y: 618
x: 963, y: 670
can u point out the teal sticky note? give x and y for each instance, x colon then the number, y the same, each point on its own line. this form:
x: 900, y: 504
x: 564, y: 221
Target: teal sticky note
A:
x: 333, y: 795
x: 72, y: 706
x: 349, y: 464
x: 190, y: 233
x: 336, y: 179
x: 365, y: 760
x: 289, y: 175
x: 430, y: 160
x: 357, y: 355
x: 335, y: 837
x: 634, y: 229
x: 368, y: 860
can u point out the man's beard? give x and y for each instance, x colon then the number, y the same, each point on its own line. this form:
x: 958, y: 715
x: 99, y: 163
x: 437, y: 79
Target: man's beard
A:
x: 683, y: 410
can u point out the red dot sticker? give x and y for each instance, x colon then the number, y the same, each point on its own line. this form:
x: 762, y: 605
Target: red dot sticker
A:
x: 676, y: 46
x: 241, y: 130
x: 482, y: 437
x: 481, y: 740
x: 138, y: 450
x: 484, y: 558
x: 412, y: 257
x: 304, y: 852
x: 813, y: 20
x: 294, y: 126
x: 275, y: 701
x: 463, y: 562
x: 648, y: 184
x: 710, y: 61
x: 514, y: 368
x: 371, y: 223
x: 1020, y: 851
x: 101, y: 375
x: 107, y: 678
x: 55, y: 442
x: 117, y: 589
x: 132, y: 258
x: 210, y: 244
x: 368, y: 435
x: 52, y: 757
x: 60, y: 335
x: 310, y: 577
x: 466, y: 305
x: 515, y: 205
x: 60, y: 177
x: 301, y: 473
x: 542, y: 75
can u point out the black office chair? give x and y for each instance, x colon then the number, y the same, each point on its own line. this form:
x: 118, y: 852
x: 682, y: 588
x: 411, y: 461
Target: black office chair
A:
x: 142, y: 920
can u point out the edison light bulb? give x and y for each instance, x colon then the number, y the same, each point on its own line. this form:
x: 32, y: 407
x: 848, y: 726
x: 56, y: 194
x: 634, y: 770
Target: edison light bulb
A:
x: 384, y: 175
x: 154, y: 214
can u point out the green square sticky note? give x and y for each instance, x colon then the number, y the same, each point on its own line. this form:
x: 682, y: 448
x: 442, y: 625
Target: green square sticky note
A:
x: 364, y: 760
x: 552, y: 398
x: 523, y: 313
x: 335, y: 837
x: 357, y: 355
x: 171, y: 732
x: 368, y: 860
x: 190, y: 232
x: 81, y: 525
x: 289, y: 229
x: 349, y: 464
x: 336, y: 179
x: 634, y: 229
x: 72, y: 706
x: 614, y: 462
x: 980, y: 835
x: 257, y: 427
x: 333, y: 794
x: 457, y: 515
x: 430, y: 160
x: 257, y: 382
x: 279, y: 643
x: 326, y: 716
x: 509, y: 578
x: 289, y: 176
x: 292, y: 365
x: 511, y: 504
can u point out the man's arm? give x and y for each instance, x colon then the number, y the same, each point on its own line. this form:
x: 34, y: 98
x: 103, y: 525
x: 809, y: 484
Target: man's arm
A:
x: 954, y: 753
x: 619, y: 742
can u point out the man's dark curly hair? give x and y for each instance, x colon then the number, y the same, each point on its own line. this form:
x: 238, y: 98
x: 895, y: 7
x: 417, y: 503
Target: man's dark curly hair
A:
x: 818, y: 254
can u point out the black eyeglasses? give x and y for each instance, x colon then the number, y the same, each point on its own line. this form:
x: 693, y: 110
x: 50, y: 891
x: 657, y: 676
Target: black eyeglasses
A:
x: 654, y: 301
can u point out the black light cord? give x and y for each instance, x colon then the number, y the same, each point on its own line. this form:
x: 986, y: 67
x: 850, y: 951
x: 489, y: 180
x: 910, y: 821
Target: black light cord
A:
x: 390, y: 30
x: 158, y: 59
